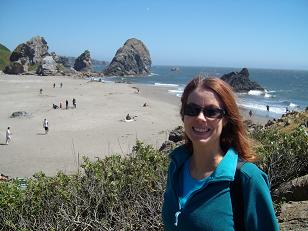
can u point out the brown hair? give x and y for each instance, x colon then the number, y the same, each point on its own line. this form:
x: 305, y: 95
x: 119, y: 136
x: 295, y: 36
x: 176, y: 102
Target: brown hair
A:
x: 233, y: 133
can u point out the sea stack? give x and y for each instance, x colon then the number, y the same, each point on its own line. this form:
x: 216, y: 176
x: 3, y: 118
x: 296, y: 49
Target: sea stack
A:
x: 133, y: 59
x: 240, y: 81
x: 83, y: 63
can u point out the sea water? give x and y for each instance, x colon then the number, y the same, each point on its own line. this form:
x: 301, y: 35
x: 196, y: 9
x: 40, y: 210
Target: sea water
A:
x: 284, y: 89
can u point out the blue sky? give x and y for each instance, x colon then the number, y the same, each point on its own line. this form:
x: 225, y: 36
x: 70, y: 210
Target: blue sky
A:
x: 230, y: 33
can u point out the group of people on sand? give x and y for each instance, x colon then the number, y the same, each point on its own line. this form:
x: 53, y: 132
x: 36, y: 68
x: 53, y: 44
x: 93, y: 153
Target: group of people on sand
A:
x: 54, y: 106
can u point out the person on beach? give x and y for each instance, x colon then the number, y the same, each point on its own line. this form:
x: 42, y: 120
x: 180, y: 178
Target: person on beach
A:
x: 46, y: 126
x: 74, y: 102
x: 61, y: 84
x: 267, y: 107
x: 66, y: 104
x: 212, y: 183
x: 54, y: 85
x: 250, y: 113
x: 8, y: 135
x: 128, y: 117
x: 41, y: 91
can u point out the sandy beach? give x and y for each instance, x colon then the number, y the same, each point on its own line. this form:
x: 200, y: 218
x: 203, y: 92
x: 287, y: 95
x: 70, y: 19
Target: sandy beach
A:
x: 95, y: 128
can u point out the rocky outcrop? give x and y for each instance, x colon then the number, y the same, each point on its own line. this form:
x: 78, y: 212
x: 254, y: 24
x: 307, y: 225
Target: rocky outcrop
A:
x: 294, y: 216
x: 19, y: 114
x: 30, y: 53
x: 83, y: 62
x: 48, y: 66
x: 240, y: 81
x: 14, y: 68
x: 133, y: 59
x: 294, y: 190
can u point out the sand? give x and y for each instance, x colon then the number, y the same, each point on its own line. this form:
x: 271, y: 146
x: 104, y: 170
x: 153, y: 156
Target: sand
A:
x: 96, y: 127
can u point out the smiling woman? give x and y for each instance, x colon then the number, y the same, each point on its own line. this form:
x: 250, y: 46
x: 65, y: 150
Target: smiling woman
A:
x: 212, y: 184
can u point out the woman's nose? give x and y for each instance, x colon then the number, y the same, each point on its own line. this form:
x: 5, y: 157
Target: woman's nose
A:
x: 201, y: 116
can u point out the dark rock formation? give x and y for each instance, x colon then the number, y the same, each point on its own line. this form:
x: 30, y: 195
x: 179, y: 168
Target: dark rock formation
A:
x: 294, y: 190
x: 14, y: 68
x: 176, y: 135
x: 83, y: 62
x: 133, y: 59
x: 33, y: 50
x: 30, y: 53
x: 20, y: 114
x: 240, y: 81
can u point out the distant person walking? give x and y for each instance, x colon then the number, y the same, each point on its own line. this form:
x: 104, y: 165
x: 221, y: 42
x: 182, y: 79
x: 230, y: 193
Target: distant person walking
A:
x: 54, y: 85
x: 66, y: 104
x: 267, y: 107
x: 61, y: 85
x: 74, y: 102
x: 250, y: 113
x: 41, y: 91
x: 8, y: 136
x: 45, y: 126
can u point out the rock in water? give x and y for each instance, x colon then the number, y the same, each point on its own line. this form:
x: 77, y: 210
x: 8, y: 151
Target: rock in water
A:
x: 83, y: 62
x: 133, y: 59
x: 240, y: 81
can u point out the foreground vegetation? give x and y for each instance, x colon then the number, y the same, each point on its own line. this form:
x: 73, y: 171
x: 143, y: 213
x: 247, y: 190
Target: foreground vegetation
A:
x: 4, y: 56
x: 118, y: 193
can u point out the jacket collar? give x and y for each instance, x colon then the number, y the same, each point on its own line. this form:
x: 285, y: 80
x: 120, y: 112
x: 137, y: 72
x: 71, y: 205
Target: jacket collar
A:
x: 225, y: 169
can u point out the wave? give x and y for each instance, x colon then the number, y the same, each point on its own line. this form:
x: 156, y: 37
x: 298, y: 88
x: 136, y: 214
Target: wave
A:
x: 261, y: 107
x: 152, y: 74
x: 176, y: 91
x: 255, y: 92
x: 264, y: 93
x: 166, y: 84
x: 293, y: 105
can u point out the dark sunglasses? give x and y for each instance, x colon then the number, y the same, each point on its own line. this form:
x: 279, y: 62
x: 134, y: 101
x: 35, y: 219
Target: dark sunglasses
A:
x: 209, y: 112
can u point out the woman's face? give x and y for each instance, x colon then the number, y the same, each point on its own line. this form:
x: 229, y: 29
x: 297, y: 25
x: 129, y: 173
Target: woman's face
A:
x: 201, y: 129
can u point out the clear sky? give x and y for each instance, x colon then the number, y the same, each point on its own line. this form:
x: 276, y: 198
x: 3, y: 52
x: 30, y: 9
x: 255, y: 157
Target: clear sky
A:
x: 230, y: 33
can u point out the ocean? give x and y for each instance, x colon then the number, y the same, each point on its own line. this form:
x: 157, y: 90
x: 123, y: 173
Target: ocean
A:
x: 284, y: 88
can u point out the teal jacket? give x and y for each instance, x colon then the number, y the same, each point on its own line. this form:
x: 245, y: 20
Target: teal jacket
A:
x: 210, y: 208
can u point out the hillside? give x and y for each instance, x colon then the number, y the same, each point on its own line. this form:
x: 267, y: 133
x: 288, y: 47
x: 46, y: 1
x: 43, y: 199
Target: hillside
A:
x: 4, y: 56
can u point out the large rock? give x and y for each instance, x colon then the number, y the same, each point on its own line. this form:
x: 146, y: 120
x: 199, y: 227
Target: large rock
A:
x: 294, y: 190
x: 47, y: 67
x: 30, y: 53
x: 83, y: 62
x: 240, y: 81
x: 33, y: 50
x: 133, y: 59
x: 294, y: 216
x: 14, y: 68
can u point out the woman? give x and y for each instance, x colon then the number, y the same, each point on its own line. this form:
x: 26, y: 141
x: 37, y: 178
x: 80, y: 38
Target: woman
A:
x: 201, y: 172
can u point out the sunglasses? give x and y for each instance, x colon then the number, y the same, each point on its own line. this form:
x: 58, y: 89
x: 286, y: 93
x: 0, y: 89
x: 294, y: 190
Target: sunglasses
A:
x: 209, y: 112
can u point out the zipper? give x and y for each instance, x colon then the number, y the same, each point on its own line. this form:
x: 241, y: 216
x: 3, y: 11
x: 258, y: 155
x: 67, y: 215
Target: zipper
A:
x: 176, y: 215
x: 180, y: 210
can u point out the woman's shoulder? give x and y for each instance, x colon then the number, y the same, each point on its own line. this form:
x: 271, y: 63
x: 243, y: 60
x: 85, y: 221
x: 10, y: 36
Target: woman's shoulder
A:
x: 251, y: 172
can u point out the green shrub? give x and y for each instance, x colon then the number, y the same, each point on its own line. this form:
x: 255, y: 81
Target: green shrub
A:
x: 4, y: 56
x: 114, y: 193
x: 283, y: 156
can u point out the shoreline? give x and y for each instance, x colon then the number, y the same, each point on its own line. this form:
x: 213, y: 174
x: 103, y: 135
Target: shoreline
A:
x: 94, y: 129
